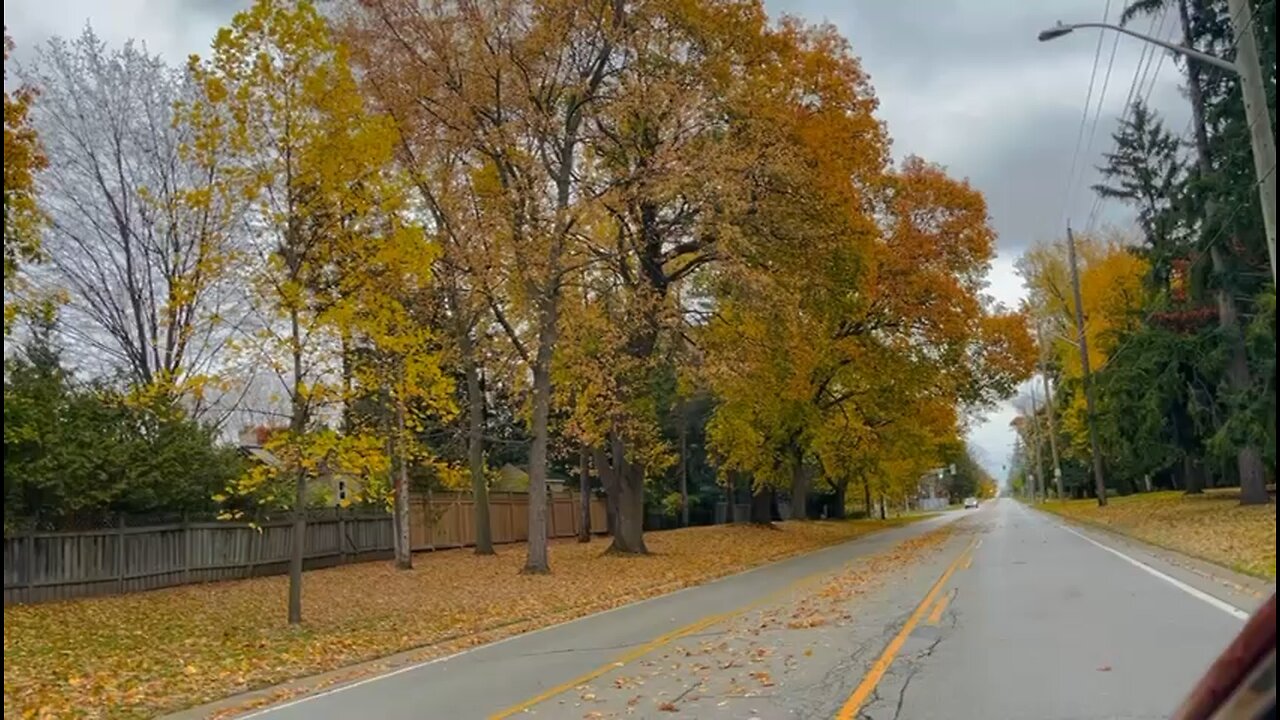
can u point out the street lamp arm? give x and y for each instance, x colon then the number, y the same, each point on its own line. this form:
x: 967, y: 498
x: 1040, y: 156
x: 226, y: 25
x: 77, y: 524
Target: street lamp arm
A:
x: 1062, y: 29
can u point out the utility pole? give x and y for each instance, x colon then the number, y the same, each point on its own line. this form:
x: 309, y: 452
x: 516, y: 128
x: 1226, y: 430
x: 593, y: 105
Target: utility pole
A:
x: 1040, y: 486
x: 1048, y: 398
x: 1100, y: 487
x: 1254, y: 94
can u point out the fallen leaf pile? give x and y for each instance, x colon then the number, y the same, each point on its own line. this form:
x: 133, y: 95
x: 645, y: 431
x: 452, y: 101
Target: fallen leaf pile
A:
x: 138, y: 655
x: 1213, y: 526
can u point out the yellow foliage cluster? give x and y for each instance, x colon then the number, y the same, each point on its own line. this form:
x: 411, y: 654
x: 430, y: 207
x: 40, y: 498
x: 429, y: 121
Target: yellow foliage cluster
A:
x: 342, y: 265
x: 1113, y: 295
x: 22, y: 160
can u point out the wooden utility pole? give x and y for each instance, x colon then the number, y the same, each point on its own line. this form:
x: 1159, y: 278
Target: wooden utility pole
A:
x: 1038, y: 486
x: 1099, y: 485
x: 1049, y: 409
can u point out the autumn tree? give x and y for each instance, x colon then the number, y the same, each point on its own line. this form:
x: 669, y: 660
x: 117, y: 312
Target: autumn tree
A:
x: 1113, y: 283
x: 416, y: 69
x: 667, y: 162
x: 381, y: 275
x: 23, y: 159
x: 855, y: 290
x: 518, y: 84
x: 141, y: 216
x: 279, y: 95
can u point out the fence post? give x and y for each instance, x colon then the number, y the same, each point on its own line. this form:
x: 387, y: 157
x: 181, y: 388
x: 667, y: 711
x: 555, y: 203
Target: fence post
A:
x: 120, y: 556
x: 457, y: 521
x: 255, y: 531
x: 342, y: 538
x: 31, y: 560
x: 186, y: 550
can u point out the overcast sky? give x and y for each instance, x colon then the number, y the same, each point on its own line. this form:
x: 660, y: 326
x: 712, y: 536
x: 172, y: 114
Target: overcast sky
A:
x: 963, y: 83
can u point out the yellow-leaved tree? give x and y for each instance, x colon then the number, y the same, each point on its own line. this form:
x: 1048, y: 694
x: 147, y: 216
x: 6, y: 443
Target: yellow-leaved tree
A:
x: 1113, y: 292
x: 22, y: 160
x: 332, y: 264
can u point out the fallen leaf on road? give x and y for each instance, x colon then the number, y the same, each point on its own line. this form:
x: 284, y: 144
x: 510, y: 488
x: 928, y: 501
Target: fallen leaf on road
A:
x: 234, y: 637
x: 1104, y: 668
x: 667, y: 707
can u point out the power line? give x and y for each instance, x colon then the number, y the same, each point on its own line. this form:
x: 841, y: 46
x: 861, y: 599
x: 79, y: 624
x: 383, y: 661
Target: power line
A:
x: 1084, y: 119
x: 1159, y: 63
x: 1140, y: 73
x: 1102, y: 95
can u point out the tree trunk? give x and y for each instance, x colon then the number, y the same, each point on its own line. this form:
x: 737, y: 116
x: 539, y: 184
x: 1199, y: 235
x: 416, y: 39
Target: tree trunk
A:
x: 883, y: 509
x: 298, y: 549
x: 629, y: 537
x: 866, y: 496
x: 762, y: 507
x: 584, y: 495
x: 403, y: 551
x: 800, y: 480
x: 1192, y: 476
x: 609, y: 480
x: 537, y: 561
x: 475, y: 446
x: 684, y: 468
x: 838, y: 512
x: 297, y: 425
x: 611, y: 510
x: 1253, y: 488
x: 348, y: 382
x: 728, y: 498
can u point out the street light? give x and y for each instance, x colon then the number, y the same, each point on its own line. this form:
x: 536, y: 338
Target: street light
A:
x: 1061, y: 29
x: 1245, y: 67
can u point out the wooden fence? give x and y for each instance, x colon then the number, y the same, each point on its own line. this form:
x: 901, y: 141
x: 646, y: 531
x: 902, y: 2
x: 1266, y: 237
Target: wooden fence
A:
x: 45, y: 566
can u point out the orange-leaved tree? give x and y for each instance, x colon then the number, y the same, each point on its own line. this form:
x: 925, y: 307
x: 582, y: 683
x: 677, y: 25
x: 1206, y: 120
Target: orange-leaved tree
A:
x: 23, y: 158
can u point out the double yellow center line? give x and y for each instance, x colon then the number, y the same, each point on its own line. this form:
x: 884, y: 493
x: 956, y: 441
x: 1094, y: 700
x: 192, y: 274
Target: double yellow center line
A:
x: 851, y: 706
x: 850, y: 709
x: 644, y: 649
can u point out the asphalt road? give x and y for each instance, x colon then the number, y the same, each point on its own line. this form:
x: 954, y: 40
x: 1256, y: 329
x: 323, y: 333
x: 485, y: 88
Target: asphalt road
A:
x: 996, y: 613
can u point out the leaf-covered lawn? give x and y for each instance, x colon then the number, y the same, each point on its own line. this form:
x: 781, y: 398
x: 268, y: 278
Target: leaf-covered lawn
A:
x: 136, y: 655
x: 1213, y: 526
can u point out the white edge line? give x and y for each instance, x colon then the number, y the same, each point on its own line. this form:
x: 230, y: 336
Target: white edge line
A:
x: 424, y: 663
x: 1222, y: 605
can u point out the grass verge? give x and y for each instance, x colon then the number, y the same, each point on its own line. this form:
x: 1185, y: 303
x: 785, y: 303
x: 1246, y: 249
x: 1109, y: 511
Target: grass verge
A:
x: 1213, y: 526
x: 147, y: 653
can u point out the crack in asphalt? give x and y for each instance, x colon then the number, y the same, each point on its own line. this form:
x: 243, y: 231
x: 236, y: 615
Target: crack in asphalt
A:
x: 902, y: 694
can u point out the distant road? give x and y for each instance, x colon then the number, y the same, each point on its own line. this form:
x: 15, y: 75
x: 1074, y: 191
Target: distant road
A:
x: 1012, y: 616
